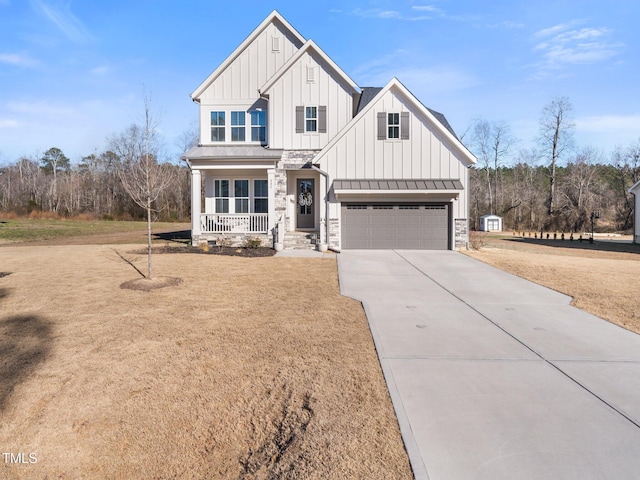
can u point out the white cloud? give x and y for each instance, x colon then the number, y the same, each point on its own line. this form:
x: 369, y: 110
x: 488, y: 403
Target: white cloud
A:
x: 563, y: 44
x: 100, y: 70
x: 8, y: 123
x: 608, y: 129
x: 427, y: 8
x: 17, y: 59
x: 424, y: 80
x: 62, y: 17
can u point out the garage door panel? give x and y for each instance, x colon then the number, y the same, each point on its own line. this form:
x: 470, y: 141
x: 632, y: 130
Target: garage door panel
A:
x: 382, y: 226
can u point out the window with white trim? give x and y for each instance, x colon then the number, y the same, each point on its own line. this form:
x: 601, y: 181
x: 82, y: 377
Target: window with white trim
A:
x: 260, y: 196
x: 241, y: 194
x: 221, y: 194
x: 393, y: 125
x: 217, y: 126
x: 311, y: 119
x: 238, y: 126
x: 258, y: 126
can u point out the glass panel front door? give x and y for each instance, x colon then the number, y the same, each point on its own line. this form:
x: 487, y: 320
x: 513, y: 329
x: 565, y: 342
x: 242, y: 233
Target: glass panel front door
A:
x: 305, y: 203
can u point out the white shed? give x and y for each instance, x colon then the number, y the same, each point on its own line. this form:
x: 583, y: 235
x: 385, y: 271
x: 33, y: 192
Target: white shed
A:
x: 490, y: 223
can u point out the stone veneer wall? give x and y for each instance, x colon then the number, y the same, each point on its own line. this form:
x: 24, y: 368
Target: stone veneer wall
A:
x: 290, y: 160
x: 462, y: 232
x: 334, y: 232
x: 237, y: 239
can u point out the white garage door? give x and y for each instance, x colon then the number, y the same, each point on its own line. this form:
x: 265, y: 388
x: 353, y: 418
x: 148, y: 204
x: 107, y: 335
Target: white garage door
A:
x: 395, y: 225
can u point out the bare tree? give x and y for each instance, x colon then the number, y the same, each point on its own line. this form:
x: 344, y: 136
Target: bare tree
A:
x: 491, y: 142
x: 578, y: 197
x: 142, y: 175
x: 555, y: 137
x: 54, y: 162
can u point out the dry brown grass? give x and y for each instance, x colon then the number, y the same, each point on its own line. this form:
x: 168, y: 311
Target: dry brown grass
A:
x: 603, y: 282
x: 250, y: 368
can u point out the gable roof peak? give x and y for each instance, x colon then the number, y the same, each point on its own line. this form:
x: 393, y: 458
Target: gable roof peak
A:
x: 273, y: 17
x: 309, y: 45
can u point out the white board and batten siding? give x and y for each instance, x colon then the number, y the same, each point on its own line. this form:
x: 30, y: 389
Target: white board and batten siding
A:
x: 426, y: 154
x: 236, y: 87
x: 308, y: 82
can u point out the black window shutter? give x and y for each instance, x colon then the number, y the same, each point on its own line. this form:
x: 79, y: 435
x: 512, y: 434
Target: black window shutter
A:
x: 322, y: 119
x: 404, y: 125
x: 382, y: 125
x: 300, y: 119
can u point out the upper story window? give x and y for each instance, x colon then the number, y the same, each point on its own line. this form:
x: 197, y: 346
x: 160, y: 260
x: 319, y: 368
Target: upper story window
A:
x: 217, y: 126
x: 259, y: 126
x: 393, y: 125
x: 237, y: 126
x: 235, y: 129
x: 311, y: 119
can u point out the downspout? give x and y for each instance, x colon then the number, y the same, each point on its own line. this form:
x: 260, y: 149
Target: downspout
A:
x: 326, y: 202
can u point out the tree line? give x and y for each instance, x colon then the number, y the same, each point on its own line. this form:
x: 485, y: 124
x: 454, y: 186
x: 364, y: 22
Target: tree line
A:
x: 50, y: 183
x: 130, y: 180
x: 554, y: 186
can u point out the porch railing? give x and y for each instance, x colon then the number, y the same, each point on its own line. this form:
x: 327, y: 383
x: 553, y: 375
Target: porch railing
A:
x: 234, y: 222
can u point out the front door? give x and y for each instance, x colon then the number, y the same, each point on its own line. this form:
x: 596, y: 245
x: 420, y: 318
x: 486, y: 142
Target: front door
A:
x: 305, y: 217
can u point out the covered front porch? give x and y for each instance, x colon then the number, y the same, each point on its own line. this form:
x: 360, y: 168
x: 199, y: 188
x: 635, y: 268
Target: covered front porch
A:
x: 270, y: 198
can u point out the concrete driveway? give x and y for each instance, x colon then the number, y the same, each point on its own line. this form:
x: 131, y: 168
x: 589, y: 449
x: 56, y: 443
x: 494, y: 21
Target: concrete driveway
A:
x: 494, y: 377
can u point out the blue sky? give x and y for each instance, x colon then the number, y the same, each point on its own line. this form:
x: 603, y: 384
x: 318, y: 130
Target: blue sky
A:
x: 72, y: 71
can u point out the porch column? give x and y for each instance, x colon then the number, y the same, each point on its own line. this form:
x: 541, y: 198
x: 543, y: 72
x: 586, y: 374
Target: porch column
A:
x: 271, y: 182
x: 324, y: 214
x: 196, y: 204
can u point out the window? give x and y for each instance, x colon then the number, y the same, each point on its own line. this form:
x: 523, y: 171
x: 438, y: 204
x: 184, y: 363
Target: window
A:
x: 259, y: 126
x: 217, y: 126
x: 260, y: 196
x: 237, y: 126
x: 393, y: 125
x: 311, y: 119
x: 241, y: 194
x: 221, y: 194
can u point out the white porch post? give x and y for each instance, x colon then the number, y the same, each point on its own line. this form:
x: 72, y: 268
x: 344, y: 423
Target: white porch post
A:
x: 271, y: 186
x: 196, y: 204
x: 323, y: 209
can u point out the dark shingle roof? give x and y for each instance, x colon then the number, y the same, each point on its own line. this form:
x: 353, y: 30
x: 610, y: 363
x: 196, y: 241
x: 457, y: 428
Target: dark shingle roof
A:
x: 368, y: 94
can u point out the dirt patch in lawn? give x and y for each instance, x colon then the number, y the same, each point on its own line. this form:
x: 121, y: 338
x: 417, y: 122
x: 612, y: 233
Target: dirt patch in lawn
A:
x: 250, y: 368
x: 602, y: 278
x: 148, y: 284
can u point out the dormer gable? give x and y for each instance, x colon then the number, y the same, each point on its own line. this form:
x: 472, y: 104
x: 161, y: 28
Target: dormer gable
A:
x: 310, y: 48
x: 310, y: 100
x: 252, y: 63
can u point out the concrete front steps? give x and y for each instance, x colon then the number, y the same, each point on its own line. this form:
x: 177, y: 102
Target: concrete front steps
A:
x: 300, y: 240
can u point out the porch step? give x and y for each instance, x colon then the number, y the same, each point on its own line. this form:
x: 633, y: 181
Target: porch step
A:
x: 300, y: 240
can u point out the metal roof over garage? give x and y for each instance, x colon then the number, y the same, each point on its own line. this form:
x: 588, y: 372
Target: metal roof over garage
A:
x: 398, y: 185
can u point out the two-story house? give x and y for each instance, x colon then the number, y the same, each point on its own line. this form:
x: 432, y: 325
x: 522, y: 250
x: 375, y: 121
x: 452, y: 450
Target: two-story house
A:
x: 292, y: 148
